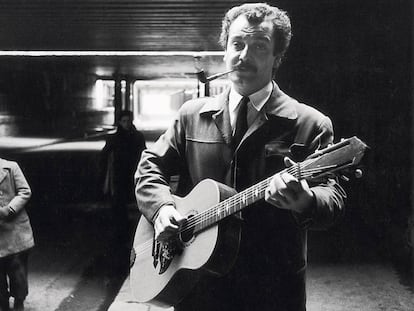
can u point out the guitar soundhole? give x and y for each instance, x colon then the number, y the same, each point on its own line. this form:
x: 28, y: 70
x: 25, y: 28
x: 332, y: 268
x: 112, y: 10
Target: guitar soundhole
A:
x: 187, y: 235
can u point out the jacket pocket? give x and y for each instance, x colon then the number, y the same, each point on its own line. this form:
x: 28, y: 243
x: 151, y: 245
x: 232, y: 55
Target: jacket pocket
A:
x: 274, y: 153
x: 297, y: 152
x: 277, y: 148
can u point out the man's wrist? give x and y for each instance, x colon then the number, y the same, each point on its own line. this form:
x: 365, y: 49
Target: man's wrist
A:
x: 306, y: 217
x: 11, y: 210
x: 154, y: 218
x: 6, y: 211
x: 311, y: 208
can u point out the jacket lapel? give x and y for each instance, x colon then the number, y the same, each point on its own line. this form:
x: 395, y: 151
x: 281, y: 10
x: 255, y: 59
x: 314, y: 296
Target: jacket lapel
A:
x: 3, y: 171
x: 278, y: 105
x: 219, y: 109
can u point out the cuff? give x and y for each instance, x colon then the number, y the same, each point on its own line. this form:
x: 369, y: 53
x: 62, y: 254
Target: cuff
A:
x: 305, y: 219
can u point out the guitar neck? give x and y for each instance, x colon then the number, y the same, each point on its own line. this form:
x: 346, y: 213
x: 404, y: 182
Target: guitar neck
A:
x: 247, y: 197
x: 230, y: 206
x: 323, y: 163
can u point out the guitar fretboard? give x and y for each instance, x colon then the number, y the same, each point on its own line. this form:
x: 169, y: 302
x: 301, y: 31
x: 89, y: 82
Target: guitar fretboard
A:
x: 322, y: 163
x: 241, y: 200
x: 231, y: 205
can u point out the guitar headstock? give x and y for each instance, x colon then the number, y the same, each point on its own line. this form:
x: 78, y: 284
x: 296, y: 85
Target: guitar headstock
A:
x: 335, y: 160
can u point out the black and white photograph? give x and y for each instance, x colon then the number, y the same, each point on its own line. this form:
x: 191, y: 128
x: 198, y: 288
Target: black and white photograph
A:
x: 193, y: 155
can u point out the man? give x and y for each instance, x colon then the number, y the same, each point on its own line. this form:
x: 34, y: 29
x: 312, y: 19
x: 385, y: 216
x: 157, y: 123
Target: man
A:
x: 269, y: 273
x: 119, y: 159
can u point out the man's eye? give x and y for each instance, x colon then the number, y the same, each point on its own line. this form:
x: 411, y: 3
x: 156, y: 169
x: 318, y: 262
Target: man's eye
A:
x: 238, y: 45
x: 261, y: 47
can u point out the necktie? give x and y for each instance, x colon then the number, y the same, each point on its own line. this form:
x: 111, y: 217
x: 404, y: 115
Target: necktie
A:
x: 241, y: 121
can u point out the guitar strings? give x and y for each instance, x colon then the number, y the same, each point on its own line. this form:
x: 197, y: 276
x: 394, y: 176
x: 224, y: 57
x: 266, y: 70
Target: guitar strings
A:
x: 241, y: 198
x: 200, y: 218
x: 230, y: 201
x: 298, y: 170
x: 244, y: 196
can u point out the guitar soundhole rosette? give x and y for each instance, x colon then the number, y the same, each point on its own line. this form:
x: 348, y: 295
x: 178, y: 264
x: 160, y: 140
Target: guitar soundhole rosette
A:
x: 187, y: 236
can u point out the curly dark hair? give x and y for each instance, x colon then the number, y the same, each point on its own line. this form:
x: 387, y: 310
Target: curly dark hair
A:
x: 256, y: 13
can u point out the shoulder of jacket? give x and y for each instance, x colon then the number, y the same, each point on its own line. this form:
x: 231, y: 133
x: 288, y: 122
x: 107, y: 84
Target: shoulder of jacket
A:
x: 195, y: 106
x: 8, y: 163
x: 111, y: 137
x: 308, y: 110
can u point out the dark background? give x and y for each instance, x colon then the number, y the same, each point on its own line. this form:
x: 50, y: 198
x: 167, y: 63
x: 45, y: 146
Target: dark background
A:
x: 353, y: 60
x: 350, y: 59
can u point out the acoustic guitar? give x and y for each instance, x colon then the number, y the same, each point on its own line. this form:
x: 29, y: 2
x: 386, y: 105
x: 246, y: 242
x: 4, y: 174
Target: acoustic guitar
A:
x: 163, y: 273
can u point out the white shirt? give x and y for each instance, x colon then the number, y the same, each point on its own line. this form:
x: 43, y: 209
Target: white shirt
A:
x: 255, y: 104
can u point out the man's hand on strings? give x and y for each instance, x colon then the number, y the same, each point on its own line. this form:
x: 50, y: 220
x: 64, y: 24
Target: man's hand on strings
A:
x: 167, y: 223
x: 287, y: 192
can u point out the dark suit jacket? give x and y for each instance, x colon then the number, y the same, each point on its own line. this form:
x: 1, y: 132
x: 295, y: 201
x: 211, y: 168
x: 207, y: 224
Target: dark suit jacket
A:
x: 118, y: 162
x: 273, y: 245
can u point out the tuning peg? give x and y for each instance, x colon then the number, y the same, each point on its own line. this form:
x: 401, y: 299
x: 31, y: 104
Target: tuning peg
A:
x: 344, y: 178
x: 358, y: 173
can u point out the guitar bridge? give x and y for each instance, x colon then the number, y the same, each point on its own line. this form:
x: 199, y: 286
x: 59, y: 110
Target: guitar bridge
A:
x: 164, y: 252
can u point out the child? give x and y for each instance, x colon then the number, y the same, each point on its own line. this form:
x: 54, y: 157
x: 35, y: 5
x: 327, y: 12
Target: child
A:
x: 16, y: 236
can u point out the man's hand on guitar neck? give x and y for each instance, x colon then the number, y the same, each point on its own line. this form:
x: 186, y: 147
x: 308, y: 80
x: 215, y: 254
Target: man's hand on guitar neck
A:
x: 287, y: 192
x: 167, y: 222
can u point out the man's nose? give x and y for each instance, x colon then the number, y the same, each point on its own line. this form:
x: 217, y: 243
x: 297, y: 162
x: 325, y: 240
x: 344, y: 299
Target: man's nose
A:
x: 244, y: 54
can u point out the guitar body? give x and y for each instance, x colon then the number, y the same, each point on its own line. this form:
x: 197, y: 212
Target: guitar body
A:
x: 163, y: 273
x: 212, y: 251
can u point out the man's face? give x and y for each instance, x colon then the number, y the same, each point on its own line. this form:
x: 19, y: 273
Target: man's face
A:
x: 252, y: 47
x: 125, y: 122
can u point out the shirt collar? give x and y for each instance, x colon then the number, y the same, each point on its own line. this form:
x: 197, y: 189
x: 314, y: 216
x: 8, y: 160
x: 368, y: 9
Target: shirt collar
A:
x: 257, y: 99
x: 282, y: 104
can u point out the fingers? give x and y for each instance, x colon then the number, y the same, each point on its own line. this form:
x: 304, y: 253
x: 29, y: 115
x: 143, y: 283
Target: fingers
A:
x: 275, y: 192
x: 284, y: 190
x: 277, y: 199
x: 167, y: 222
x: 288, y: 162
x: 293, y: 185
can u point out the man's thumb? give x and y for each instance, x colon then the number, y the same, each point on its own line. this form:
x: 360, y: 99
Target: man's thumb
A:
x: 288, y: 162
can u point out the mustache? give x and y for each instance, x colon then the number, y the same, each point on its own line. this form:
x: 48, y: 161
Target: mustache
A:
x: 244, y: 66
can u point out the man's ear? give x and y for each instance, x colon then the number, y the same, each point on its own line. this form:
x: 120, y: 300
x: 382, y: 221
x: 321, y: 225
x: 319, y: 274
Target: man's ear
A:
x: 276, y: 63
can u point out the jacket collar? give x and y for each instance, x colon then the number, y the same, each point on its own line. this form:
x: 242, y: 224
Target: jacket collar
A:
x: 279, y: 104
x: 4, y: 165
x: 216, y: 104
x: 218, y: 108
